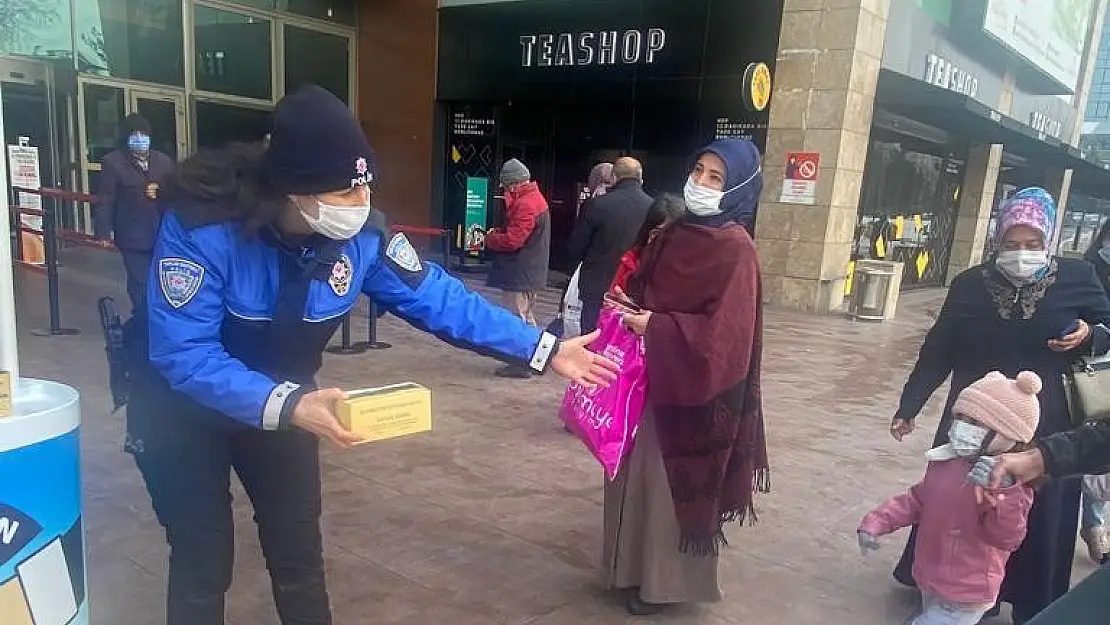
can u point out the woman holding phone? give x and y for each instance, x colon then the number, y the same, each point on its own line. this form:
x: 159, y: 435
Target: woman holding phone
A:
x: 1024, y: 309
x: 700, y: 452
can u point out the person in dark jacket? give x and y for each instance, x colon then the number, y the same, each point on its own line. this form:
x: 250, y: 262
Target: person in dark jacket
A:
x: 263, y: 251
x: 1022, y: 310
x: 521, y: 250
x: 1093, y: 526
x: 1065, y: 454
x: 605, y: 230
x: 132, y: 179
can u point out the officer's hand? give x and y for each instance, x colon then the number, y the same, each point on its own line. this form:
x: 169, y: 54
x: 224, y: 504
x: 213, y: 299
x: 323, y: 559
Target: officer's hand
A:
x: 578, y: 364
x: 315, y: 412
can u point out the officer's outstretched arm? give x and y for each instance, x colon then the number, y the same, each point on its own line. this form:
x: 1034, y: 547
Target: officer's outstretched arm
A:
x: 186, y: 306
x: 429, y: 298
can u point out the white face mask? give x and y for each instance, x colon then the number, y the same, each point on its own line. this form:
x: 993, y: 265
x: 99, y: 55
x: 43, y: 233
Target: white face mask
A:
x: 966, y: 439
x: 338, y: 222
x: 702, y: 201
x: 1021, y: 264
x: 706, y: 202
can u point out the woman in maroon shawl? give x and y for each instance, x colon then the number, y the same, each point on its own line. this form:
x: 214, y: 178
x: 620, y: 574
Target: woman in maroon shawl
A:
x: 700, y: 454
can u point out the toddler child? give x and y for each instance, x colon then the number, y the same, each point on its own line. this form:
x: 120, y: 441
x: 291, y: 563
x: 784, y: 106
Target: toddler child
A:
x: 965, y: 535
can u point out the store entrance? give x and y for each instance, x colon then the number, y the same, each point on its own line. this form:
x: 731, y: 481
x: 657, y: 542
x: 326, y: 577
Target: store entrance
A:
x: 104, y: 105
x: 29, y: 138
x: 908, y: 205
x: 560, y: 144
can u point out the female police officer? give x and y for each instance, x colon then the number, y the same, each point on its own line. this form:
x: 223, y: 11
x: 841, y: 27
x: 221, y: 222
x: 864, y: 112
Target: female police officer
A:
x: 262, y: 252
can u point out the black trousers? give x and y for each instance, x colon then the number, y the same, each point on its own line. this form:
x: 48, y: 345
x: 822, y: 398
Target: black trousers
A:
x: 186, y: 462
x: 591, y: 311
x: 137, y: 266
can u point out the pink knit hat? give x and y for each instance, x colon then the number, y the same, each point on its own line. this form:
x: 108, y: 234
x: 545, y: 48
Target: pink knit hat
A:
x: 1009, y: 407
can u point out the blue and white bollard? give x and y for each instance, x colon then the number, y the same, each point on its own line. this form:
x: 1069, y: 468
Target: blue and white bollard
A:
x: 42, y: 545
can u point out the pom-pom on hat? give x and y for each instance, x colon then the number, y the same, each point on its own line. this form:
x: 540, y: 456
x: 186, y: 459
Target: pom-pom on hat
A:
x: 1009, y: 407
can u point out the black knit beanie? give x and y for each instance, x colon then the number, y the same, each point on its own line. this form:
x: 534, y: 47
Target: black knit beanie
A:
x: 136, y: 123
x: 316, y: 146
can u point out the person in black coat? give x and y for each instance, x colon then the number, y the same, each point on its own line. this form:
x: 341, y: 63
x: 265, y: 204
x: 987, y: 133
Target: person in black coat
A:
x: 1022, y: 310
x: 132, y: 178
x: 605, y: 230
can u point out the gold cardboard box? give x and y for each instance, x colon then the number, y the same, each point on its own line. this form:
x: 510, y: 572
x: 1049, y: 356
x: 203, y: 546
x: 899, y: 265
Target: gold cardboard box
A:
x: 5, y: 394
x: 387, y: 412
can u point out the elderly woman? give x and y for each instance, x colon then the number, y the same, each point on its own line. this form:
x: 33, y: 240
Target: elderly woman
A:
x: 601, y: 179
x: 700, y: 453
x: 1022, y: 310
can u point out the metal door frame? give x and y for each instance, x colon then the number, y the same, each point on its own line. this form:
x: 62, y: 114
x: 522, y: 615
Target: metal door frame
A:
x: 132, y: 90
x: 35, y: 73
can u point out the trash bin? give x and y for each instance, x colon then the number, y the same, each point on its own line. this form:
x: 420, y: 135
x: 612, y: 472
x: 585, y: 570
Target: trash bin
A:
x: 875, y: 286
x: 42, y: 544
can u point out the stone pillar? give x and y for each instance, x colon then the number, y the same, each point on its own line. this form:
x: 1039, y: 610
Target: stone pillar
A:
x: 974, y: 210
x: 830, y: 53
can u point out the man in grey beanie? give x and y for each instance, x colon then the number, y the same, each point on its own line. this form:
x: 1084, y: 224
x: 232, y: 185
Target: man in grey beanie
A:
x: 521, y: 249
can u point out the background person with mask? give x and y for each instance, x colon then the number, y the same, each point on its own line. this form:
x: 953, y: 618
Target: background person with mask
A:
x: 263, y: 252
x: 1022, y: 310
x: 132, y: 179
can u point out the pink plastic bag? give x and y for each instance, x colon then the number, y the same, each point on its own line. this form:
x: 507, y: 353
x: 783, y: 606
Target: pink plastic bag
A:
x: 606, y: 419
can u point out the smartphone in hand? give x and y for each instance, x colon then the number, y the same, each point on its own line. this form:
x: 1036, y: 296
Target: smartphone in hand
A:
x: 622, y: 304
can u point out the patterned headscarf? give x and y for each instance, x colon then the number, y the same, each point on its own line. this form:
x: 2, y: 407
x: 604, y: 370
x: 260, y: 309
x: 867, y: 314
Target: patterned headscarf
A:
x: 1033, y: 207
x: 601, y: 178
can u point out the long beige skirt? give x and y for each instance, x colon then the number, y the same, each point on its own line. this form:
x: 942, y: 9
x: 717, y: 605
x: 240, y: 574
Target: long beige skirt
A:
x: 642, y: 533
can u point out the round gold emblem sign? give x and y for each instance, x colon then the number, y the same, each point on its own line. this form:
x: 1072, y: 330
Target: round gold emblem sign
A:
x: 757, y: 86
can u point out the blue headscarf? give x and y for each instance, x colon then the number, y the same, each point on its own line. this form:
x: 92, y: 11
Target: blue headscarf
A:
x: 743, y: 183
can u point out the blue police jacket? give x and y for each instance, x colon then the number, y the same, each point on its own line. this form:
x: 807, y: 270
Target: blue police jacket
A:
x: 217, y: 333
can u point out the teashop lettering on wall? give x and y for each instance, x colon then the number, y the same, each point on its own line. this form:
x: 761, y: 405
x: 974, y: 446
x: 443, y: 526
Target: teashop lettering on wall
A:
x: 607, y: 47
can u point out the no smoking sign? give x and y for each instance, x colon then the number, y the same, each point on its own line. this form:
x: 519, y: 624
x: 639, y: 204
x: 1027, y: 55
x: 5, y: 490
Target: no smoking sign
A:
x: 800, y: 180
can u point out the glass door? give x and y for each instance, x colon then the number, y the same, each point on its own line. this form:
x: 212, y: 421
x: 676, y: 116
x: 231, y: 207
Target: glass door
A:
x: 29, y: 143
x: 166, y: 114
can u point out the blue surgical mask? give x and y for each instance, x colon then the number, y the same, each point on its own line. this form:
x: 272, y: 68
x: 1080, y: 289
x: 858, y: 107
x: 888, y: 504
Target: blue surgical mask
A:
x: 139, y: 143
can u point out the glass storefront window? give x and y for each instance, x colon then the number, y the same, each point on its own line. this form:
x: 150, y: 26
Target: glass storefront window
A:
x: 104, y: 111
x: 339, y: 11
x: 38, y: 28
x: 233, y: 53
x: 908, y: 208
x: 218, y: 124
x: 133, y: 39
x: 315, y: 57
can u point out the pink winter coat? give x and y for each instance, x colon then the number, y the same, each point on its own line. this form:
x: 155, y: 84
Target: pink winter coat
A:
x: 962, y: 545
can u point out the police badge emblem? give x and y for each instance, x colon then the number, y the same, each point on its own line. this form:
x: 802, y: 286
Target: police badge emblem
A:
x: 401, y: 252
x: 180, y: 280
x: 340, y: 279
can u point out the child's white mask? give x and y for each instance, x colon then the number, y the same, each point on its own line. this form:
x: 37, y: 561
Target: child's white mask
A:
x: 966, y: 440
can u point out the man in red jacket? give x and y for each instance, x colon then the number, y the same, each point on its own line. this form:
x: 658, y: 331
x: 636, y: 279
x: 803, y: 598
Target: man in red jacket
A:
x: 521, y: 249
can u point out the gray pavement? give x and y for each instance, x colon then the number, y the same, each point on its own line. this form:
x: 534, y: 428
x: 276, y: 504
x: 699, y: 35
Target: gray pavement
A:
x: 495, y: 516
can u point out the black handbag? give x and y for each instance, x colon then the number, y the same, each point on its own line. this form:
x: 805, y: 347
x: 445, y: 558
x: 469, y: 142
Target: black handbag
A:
x: 1087, y: 388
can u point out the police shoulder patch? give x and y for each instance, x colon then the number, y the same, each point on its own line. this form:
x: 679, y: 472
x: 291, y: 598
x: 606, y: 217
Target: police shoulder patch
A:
x: 400, y: 251
x: 340, y: 279
x: 180, y: 280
